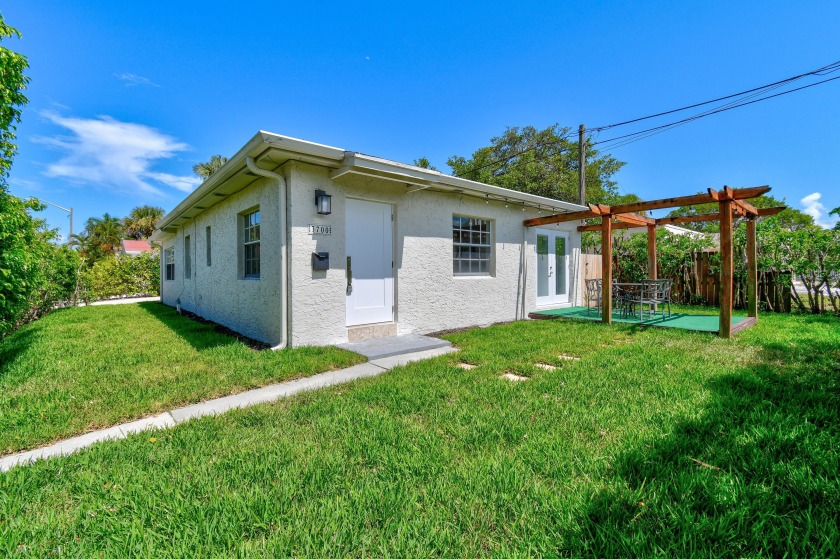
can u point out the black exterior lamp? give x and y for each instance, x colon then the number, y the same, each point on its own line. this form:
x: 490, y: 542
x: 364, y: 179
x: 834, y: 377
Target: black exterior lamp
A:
x: 323, y: 202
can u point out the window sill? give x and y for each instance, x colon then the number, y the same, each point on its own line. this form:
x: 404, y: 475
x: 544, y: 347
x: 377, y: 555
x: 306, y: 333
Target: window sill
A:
x: 473, y: 276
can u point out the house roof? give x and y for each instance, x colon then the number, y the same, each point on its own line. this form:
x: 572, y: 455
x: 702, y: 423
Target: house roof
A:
x: 130, y: 245
x: 270, y: 151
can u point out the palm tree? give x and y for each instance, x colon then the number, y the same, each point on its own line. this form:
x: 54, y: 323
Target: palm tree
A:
x: 109, y: 232
x: 204, y: 170
x: 101, y: 237
x: 141, y: 222
x: 83, y: 243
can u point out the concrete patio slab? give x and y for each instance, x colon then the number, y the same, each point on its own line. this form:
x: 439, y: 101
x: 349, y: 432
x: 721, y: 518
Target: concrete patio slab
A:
x: 379, y: 348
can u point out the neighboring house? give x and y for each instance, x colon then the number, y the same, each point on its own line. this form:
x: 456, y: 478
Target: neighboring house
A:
x: 342, y: 246
x: 131, y: 247
x: 673, y: 229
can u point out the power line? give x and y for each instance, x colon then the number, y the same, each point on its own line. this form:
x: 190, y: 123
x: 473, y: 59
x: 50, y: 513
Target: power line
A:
x: 741, y: 99
x: 657, y: 129
x: 825, y: 70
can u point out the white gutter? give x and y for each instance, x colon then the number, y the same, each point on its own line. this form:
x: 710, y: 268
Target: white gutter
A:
x: 284, y: 275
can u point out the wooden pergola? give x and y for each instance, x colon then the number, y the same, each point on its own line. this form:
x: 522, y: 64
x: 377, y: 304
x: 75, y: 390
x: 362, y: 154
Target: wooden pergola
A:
x: 732, y: 204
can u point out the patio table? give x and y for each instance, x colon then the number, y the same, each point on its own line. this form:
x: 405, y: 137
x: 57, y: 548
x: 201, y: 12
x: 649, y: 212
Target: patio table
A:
x: 634, y: 292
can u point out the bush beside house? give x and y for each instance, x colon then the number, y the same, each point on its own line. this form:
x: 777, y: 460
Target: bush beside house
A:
x: 121, y: 276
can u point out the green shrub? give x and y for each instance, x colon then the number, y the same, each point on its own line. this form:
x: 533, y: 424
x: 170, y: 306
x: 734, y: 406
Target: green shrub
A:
x: 35, y: 273
x: 118, y: 276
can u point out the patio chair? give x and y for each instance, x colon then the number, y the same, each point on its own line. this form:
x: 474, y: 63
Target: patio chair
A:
x: 626, y: 297
x: 657, y: 292
x: 594, y: 289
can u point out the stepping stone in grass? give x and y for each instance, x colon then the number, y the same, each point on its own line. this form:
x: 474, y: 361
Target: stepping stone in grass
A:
x: 568, y: 357
x: 513, y: 378
x: 545, y: 366
x: 466, y: 366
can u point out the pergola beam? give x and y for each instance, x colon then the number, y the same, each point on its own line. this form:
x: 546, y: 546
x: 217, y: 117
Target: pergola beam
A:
x: 635, y: 219
x: 737, y: 194
x: 598, y: 228
x: 726, y: 269
x: 734, y: 195
x: 593, y: 211
x: 651, y: 249
x: 742, y: 207
x: 764, y: 212
x: 606, y: 271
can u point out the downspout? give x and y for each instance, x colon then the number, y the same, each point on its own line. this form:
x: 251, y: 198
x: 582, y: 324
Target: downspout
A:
x: 284, y: 276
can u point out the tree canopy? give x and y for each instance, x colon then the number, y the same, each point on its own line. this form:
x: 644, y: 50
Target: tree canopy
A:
x: 424, y: 163
x: 141, y: 222
x: 12, y: 99
x: 543, y: 162
x: 207, y: 168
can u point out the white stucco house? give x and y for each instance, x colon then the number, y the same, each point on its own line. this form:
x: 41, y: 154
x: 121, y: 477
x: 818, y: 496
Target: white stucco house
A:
x: 296, y: 243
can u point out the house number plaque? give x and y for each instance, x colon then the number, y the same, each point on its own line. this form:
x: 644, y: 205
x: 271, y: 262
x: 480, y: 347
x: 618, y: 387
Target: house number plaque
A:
x: 325, y: 230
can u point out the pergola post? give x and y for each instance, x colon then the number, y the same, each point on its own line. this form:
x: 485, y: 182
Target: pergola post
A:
x: 606, y: 269
x: 726, y: 264
x: 752, y: 270
x: 651, y: 246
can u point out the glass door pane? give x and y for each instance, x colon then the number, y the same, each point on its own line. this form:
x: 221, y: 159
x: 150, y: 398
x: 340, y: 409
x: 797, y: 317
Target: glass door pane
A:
x: 561, y: 268
x: 542, y: 265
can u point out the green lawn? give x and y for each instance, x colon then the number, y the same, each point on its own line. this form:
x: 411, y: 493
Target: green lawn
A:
x: 655, y: 443
x: 82, y: 369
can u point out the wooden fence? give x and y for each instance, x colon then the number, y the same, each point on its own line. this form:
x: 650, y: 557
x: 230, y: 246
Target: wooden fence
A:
x: 699, y: 284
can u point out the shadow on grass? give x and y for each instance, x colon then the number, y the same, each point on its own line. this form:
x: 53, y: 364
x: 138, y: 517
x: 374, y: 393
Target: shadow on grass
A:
x: 199, y: 333
x: 13, y: 346
x: 756, y: 474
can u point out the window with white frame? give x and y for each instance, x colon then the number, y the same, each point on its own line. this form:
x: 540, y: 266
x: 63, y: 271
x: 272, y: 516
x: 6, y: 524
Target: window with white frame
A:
x: 207, y: 245
x: 471, y: 246
x: 187, y: 258
x: 251, y: 244
x: 169, y: 264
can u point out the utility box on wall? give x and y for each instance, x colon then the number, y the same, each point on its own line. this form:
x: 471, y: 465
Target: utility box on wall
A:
x: 320, y: 261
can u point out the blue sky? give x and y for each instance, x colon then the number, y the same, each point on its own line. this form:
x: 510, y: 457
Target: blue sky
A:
x: 126, y: 97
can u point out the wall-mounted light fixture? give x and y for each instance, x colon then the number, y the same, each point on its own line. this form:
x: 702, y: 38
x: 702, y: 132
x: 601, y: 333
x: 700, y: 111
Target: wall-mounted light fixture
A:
x: 323, y: 202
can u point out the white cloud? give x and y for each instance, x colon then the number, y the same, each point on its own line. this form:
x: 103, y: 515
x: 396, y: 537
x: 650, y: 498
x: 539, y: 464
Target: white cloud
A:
x: 184, y: 184
x: 26, y: 184
x: 130, y: 80
x: 812, y: 206
x: 106, y: 152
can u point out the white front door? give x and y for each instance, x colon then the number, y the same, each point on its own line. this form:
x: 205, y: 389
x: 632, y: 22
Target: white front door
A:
x: 370, y: 271
x: 552, y: 267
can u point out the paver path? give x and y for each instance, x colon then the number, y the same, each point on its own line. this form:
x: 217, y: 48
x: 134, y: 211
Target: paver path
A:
x: 219, y: 405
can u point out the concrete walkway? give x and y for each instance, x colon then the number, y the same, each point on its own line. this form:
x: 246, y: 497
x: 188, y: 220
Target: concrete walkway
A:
x: 124, y: 301
x: 220, y: 405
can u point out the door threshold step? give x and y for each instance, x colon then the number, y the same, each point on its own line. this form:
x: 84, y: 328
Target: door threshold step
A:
x: 377, y: 348
x: 368, y: 331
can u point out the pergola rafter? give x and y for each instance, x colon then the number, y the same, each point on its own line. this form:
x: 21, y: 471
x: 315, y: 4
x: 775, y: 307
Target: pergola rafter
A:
x: 732, y: 204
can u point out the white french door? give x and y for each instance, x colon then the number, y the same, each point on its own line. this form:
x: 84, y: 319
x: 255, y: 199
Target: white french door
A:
x: 552, y: 267
x: 370, y: 272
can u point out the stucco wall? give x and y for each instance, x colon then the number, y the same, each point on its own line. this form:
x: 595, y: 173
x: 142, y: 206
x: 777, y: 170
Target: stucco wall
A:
x: 217, y: 292
x: 428, y: 297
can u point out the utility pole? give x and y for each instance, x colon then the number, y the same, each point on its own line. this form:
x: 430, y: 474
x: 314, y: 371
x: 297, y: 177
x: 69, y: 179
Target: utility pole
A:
x: 69, y: 211
x: 582, y: 164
